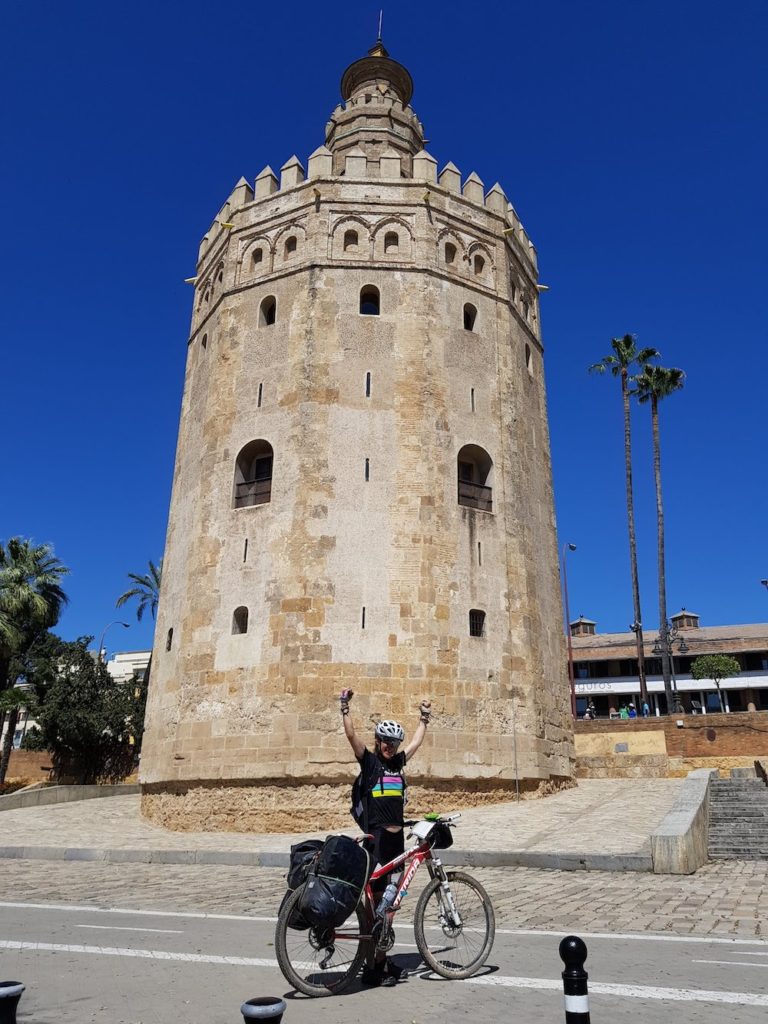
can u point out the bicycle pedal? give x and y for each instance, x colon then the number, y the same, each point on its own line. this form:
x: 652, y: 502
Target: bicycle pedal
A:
x: 325, y: 962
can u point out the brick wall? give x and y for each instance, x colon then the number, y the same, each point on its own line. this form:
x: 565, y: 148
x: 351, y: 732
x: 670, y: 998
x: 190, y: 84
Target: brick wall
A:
x: 29, y: 765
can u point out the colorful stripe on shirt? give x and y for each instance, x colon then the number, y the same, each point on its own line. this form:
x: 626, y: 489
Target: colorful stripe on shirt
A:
x: 393, y: 786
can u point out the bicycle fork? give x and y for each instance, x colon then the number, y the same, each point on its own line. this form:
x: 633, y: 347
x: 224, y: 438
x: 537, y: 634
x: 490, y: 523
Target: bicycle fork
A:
x: 449, y: 912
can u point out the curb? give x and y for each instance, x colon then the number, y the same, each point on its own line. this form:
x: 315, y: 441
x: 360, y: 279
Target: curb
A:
x: 564, y: 861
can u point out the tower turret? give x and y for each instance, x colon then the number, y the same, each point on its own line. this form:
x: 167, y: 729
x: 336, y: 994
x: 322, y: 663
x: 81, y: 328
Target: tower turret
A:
x: 376, y: 116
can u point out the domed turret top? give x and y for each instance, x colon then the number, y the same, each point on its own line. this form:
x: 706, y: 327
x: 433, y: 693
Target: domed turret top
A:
x: 378, y: 66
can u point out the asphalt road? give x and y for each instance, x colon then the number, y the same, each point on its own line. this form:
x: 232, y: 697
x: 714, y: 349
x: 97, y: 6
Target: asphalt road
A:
x: 83, y: 964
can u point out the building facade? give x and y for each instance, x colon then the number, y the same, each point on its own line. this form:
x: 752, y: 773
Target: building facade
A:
x: 605, y: 667
x: 362, y: 494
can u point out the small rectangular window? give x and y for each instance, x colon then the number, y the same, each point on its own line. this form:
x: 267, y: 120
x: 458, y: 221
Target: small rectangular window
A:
x: 367, y: 470
x: 476, y: 622
x: 479, y: 553
x: 362, y: 620
x: 368, y: 385
x: 245, y: 549
x: 472, y: 399
x: 258, y: 400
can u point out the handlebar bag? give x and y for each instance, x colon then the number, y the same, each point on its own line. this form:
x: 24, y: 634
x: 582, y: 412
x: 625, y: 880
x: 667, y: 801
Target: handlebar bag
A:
x: 441, y: 836
x: 335, y: 883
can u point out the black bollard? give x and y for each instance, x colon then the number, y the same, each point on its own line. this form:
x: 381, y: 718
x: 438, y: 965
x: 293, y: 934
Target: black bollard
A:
x: 269, y: 1008
x: 10, y: 994
x: 573, y: 953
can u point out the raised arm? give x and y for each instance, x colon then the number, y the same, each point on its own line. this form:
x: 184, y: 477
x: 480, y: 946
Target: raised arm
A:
x: 349, y: 730
x: 425, y: 710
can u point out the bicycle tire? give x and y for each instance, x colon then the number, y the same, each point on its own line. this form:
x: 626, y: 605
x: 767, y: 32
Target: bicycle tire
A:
x: 288, y: 962
x: 481, y: 949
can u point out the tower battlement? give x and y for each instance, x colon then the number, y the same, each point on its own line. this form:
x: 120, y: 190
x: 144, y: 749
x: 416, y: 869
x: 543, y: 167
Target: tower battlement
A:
x: 362, y: 494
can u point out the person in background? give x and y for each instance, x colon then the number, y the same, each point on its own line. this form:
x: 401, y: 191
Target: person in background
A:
x: 632, y: 712
x: 646, y: 709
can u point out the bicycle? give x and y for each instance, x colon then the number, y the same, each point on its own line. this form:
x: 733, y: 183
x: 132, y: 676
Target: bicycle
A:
x: 454, y: 923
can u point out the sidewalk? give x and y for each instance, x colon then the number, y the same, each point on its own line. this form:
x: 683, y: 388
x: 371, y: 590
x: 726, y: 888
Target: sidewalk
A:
x: 600, y: 825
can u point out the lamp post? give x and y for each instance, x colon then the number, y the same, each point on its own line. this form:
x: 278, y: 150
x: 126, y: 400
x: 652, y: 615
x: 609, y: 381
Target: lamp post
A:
x: 115, y: 622
x: 764, y: 583
x: 566, y: 549
x: 669, y: 635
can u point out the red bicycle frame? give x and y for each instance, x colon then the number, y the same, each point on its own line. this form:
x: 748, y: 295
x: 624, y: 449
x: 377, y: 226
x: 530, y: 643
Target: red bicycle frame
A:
x: 417, y: 855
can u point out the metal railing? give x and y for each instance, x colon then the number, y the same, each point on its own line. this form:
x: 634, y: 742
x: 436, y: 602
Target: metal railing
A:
x: 253, y: 492
x: 476, y: 496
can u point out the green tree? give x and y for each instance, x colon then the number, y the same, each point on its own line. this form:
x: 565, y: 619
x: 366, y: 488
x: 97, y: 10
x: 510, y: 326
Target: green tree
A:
x: 31, y: 600
x: 624, y: 358
x: 715, y: 667
x: 87, y: 719
x: 652, y: 385
x: 145, y: 590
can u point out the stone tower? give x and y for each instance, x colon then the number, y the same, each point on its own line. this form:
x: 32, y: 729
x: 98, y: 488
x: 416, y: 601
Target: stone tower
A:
x: 362, y: 494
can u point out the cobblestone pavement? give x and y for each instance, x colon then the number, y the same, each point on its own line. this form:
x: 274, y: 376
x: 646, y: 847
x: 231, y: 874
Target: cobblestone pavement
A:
x: 723, y: 899
x: 611, y: 816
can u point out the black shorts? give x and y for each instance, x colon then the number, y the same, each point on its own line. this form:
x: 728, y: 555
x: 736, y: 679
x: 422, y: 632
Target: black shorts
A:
x: 384, y: 848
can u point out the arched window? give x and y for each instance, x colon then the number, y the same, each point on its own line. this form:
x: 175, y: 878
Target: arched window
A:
x: 220, y: 275
x: 450, y: 252
x: 470, y: 316
x: 475, y: 478
x: 476, y: 622
x: 240, y: 620
x: 169, y: 639
x: 258, y: 255
x: 290, y: 246
x: 478, y: 264
x: 391, y: 242
x: 253, y: 475
x: 350, y: 241
x: 268, y: 311
x: 369, y: 300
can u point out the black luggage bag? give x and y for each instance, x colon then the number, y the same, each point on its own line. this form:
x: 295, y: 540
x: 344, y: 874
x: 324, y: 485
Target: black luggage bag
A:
x: 335, y: 883
x: 303, y: 856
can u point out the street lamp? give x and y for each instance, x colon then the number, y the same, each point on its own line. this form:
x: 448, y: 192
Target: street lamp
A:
x: 115, y: 622
x: 669, y: 635
x: 764, y: 583
x: 566, y: 549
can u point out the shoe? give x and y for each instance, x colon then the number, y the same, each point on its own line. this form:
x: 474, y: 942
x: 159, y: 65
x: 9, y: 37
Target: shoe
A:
x: 391, y: 973
x: 373, y: 976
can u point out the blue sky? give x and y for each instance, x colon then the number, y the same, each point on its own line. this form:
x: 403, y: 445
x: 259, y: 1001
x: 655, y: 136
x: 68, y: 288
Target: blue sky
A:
x: 630, y: 138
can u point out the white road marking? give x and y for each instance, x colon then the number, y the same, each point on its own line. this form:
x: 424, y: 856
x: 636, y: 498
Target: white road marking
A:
x: 688, y: 995
x: 201, y: 916
x: 123, y: 928
x: 734, y: 963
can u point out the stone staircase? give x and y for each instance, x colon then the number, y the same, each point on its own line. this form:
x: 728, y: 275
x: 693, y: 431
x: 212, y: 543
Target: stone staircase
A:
x: 738, y: 819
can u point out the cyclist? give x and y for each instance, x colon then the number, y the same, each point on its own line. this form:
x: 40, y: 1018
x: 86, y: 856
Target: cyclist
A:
x: 383, y: 804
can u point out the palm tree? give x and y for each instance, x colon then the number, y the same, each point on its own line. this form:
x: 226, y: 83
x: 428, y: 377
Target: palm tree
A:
x: 31, y: 600
x: 653, y: 384
x: 624, y: 358
x: 146, y: 590
x: 147, y: 593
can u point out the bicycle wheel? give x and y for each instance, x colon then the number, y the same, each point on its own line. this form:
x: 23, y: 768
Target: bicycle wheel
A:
x: 316, y: 961
x: 454, y: 950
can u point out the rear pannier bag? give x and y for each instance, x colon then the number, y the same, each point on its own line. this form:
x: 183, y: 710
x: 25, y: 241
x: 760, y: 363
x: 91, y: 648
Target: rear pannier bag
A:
x: 335, y: 883
x: 303, y: 856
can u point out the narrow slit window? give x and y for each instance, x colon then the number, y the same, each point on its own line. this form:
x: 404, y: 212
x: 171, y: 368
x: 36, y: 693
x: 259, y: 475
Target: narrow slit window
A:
x: 367, y: 470
x: 528, y: 357
x: 472, y: 399
x: 204, y: 342
x: 526, y: 309
x: 470, y: 316
x: 370, y: 302
x: 268, y: 311
x: 368, y: 384
x: 169, y: 639
x: 240, y: 621
x: 479, y: 553
x: 512, y: 289
x: 476, y: 622
x: 260, y: 394
x: 245, y: 550
x: 362, y: 619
